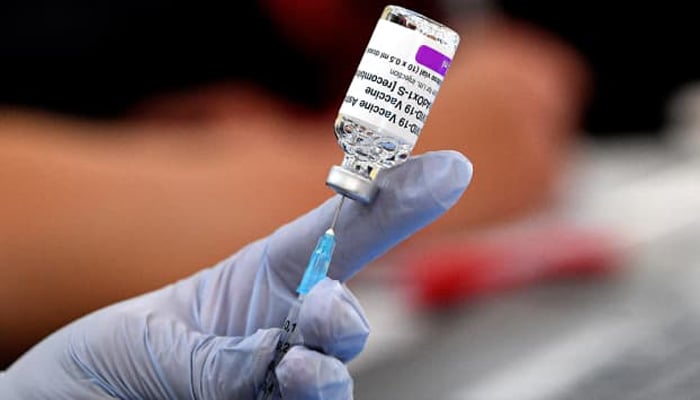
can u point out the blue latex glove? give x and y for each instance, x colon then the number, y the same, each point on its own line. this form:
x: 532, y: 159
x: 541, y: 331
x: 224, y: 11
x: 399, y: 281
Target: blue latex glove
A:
x: 212, y: 335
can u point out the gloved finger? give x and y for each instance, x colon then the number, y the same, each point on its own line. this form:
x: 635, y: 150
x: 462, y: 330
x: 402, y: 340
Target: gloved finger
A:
x: 332, y: 321
x: 411, y: 196
x: 304, y: 374
x: 219, y: 367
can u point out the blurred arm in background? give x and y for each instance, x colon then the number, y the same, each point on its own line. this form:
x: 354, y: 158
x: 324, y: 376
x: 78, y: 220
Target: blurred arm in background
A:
x: 123, y: 175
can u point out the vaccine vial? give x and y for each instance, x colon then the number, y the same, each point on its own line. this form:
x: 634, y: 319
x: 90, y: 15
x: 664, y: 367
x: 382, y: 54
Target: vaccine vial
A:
x: 389, y: 98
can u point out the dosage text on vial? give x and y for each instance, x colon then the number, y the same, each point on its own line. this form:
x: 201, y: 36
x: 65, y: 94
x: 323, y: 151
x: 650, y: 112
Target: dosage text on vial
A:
x: 402, y: 99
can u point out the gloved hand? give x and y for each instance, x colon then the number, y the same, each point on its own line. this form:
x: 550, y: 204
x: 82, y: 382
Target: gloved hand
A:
x: 212, y: 335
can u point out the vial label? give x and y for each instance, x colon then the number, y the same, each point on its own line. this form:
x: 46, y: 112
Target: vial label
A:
x: 397, y: 80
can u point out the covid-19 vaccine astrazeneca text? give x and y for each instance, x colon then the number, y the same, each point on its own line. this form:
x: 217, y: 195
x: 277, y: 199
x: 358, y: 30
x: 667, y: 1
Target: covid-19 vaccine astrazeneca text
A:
x: 389, y: 98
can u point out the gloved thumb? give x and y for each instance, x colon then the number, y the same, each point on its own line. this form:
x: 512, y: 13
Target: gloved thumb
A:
x: 411, y: 196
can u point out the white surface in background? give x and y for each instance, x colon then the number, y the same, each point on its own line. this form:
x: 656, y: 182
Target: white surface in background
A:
x: 649, y: 208
x: 548, y: 371
x: 644, y: 210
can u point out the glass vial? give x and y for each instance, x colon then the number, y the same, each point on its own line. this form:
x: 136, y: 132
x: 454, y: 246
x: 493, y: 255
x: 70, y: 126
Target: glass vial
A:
x: 389, y: 98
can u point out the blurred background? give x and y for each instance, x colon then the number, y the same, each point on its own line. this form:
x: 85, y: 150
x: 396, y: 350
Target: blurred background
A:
x: 143, y: 141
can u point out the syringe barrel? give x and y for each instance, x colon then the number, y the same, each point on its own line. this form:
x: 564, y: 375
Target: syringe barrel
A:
x: 291, y: 336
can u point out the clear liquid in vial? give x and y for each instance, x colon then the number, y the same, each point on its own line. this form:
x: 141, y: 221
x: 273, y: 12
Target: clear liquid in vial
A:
x: 367, y: 149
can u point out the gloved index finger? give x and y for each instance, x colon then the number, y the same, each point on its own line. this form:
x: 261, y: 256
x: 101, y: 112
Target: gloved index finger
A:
x: 411, y: 196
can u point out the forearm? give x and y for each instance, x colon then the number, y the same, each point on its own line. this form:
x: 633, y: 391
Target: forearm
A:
x: 94, y: 213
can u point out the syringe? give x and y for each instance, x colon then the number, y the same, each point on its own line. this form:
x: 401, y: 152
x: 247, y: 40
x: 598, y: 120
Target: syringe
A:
x: 316, y: 270
x: 420, y: 50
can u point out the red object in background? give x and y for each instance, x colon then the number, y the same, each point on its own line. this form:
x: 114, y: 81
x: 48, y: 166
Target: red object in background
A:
x: 453, y: 272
